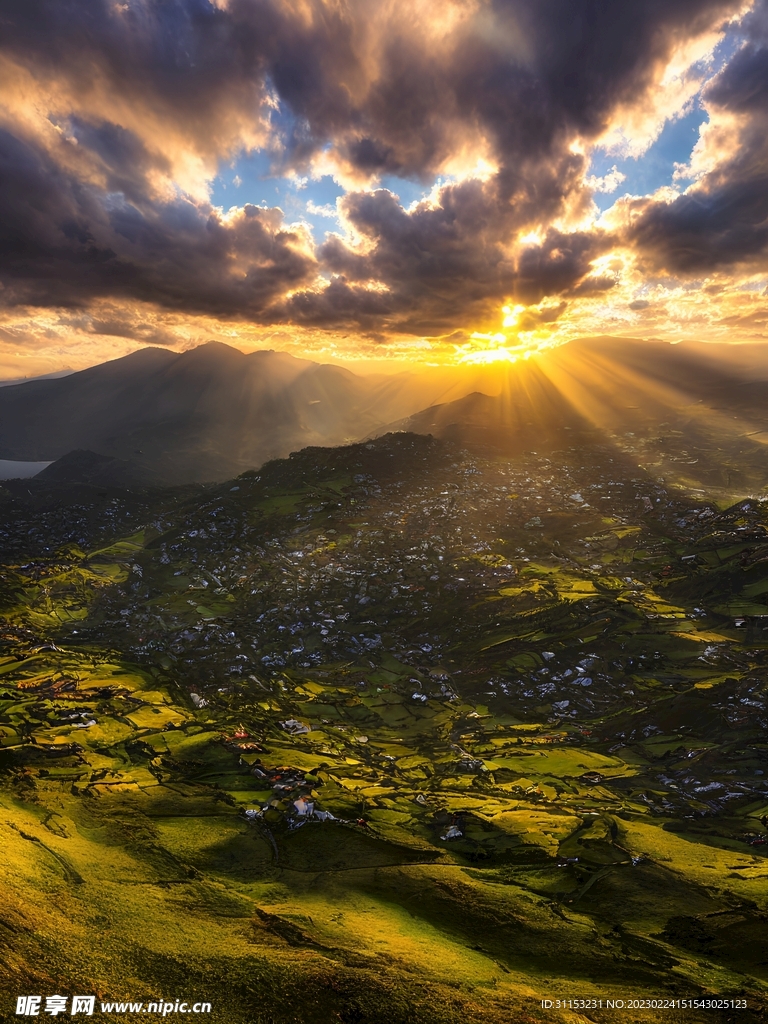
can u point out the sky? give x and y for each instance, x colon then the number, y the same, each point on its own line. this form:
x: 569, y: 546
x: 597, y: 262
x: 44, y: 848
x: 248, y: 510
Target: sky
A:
x: 379, y: 182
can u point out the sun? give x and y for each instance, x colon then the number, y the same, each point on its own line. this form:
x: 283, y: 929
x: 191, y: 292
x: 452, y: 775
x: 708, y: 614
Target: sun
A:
x: 486, y: 356
x: 484, y: 349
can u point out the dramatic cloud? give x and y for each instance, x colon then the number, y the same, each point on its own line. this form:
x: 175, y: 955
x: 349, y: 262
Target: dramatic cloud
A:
x: 722, y: 219
x: 442, y: 263
x: 117, y: 118
x: 62, y: 242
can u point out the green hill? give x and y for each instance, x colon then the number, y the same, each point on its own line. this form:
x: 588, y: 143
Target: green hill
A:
x: 392, y: 732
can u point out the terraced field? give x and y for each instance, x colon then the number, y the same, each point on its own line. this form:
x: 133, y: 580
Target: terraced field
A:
x: 395, y: 732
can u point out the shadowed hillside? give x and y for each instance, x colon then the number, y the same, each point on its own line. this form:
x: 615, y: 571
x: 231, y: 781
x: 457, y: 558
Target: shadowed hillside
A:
x: 201, y: 415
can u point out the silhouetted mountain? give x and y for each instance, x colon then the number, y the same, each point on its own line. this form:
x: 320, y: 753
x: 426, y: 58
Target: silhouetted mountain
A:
x: 213, y: 412
x: 206, y: 414
x: 510, y: 424
x: 689, y: 414
x: 605, y: 384
x: 619, y: 382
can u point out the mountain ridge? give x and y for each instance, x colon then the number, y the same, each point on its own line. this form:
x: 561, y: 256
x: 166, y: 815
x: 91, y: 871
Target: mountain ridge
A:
x: 213, y: 412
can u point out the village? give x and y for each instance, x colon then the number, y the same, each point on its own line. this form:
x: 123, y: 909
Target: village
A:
x: 420, y: 610
x: 546, y: 673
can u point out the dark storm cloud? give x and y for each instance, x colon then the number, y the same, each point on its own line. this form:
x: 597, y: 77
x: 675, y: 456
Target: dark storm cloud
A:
x: 526, y: 74
x: 723, y: 220
x: 436, y: 259
x: 524, y: 70
x: 558, y: 264
x: 138, y: 91
x: 533, y: 318
x: 718, y: 225
x: 119, y: 157
x: 182, y: 61
x: 441, y: 263
x: 120, y: 327
x: 63, y: 242
x: 742, y: 84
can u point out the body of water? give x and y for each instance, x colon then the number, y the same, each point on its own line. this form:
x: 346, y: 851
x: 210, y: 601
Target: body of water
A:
x: 20, y: 470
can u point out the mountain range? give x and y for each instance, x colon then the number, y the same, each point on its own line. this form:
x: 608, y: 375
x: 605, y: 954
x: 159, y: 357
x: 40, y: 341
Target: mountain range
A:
x: 212, y: 412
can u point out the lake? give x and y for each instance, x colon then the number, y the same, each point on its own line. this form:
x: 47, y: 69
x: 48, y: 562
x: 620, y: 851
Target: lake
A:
x: 20, y: 470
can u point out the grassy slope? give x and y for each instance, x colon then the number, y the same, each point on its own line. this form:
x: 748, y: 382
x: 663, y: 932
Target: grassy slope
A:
x: 129, y: 870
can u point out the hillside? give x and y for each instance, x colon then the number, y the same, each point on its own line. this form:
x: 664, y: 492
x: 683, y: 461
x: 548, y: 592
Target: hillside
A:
x: 387, y: 733
x: 684, y: 413
x: 213, y: 412
x: 205, y: 414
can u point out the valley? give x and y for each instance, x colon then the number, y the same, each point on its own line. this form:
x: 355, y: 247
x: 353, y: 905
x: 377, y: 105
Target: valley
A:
x: 434, y: 731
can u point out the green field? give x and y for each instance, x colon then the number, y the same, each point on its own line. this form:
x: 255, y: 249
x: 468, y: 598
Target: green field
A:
x: 538, y: 751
